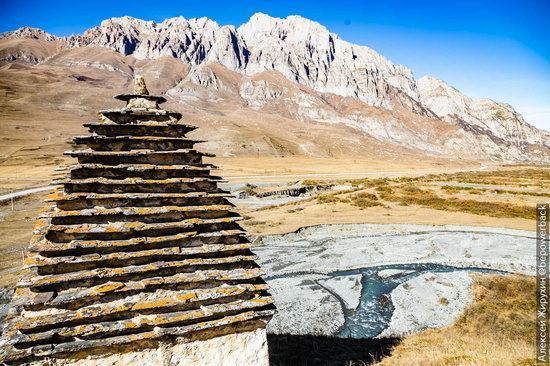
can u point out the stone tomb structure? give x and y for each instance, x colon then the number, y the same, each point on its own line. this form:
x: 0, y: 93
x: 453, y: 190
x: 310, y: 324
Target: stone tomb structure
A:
x: 138, y: 259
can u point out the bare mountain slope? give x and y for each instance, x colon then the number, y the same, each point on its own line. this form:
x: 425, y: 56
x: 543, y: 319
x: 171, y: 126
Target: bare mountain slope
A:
x: 30, y: 45
x: 485, y: 116
x: 273, y: 86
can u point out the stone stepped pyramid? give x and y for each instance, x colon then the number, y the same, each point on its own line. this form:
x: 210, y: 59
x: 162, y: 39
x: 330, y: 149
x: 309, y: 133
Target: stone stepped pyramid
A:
x: 138, y: 253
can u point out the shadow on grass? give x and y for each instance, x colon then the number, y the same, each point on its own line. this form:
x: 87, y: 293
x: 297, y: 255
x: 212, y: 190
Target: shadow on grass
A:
x: 298, y: 350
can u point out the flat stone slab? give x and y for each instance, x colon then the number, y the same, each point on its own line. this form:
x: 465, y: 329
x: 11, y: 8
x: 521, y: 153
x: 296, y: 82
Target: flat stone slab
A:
x: 135, y: 211
x: 140, y: 112
x: 137, y: 226
x: 121, y: 272
x: 189, y: 238
x: 136, y: 181
x: 90, y: 152
x: 142, y: 167
x: 169, y: 128
x: 127, y: 97
x: 161, y: 299
x: 152, y: 254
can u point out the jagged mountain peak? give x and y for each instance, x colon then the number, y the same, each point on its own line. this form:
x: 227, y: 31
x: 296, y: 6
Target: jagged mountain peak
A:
x: 433, y: 84
x: 451, y: 99
x: 126, y: 21
x: 129, y: 22
x: 437, y: 87
x: 305, y: 53
x: 298, y: 27
x: 440, y: 97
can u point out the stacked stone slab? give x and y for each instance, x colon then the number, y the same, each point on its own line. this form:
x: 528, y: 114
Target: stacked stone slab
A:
x: 139, y: 251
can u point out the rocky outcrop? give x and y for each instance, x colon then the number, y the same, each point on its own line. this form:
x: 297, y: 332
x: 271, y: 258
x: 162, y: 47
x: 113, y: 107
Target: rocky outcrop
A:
x: 205, y: 77
x: 259, y: 93
x: 484, y: 116
x: 498, y: 123
x: 29, y: 33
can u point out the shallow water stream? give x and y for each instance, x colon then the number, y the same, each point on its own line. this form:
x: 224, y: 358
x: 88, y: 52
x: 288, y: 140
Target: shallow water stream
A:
x: 327, y: 279
x: 375, y: 308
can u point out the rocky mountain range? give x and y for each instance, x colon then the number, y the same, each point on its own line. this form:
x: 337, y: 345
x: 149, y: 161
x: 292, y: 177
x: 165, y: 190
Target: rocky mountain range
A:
x: 302, y: 82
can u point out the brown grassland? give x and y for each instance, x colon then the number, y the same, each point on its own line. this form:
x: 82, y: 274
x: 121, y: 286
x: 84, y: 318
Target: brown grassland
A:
x: 498, y: 328
x: 434, y: 199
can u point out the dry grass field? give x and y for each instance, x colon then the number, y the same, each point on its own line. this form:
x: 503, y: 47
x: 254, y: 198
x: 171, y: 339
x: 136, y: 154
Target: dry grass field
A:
x: 435, y: 199
x: 15, y: 231
x: 497, y: 329
x: 287, y: 168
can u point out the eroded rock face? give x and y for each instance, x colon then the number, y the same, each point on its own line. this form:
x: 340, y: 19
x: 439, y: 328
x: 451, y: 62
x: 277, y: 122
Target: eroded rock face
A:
x: 29, y: 33
x: 320, y: 65
x: 140, y: 249
x: 193, y: 41
x: 301, y: 50
x: 306, y: 52
x: 498, y: 121
x: 259, y: 93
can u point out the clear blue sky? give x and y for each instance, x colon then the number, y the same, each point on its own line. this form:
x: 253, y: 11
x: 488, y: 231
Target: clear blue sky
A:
x: 498, y: 49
